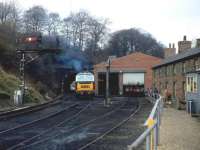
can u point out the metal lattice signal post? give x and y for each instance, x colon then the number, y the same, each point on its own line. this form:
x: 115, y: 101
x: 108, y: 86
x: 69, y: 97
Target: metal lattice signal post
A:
x: 22, y: 73
x: 32, y: 44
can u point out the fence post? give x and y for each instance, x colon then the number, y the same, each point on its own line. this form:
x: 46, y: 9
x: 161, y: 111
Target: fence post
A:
x: 158, y: 112
x: 158, y: 123
x: 148, y: 142
x: 155, y: 138
x: 190, y: 107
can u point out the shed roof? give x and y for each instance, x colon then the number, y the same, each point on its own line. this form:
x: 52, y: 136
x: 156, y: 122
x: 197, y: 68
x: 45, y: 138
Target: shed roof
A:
x: 133, y: 60
x: 183, y: 55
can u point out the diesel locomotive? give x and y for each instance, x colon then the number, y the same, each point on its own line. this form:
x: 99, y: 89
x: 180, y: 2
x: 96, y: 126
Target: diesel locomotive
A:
x: 84, y: 84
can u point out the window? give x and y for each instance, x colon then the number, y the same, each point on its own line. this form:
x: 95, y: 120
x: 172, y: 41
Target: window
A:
x: 184, y: 89
x: 191, y: 87
x: 183, y: 67
x: 178, y: 68
x: 196, y: 64
x: 159, y: 72
x: 168, y: 70
x: 165, y: 71
x: 174, y: 69
x: 160, y: 85
x: 195, y: 85
x: 154, y: 74
x: 166, y: 85
x: 174, y: 89
x: 192, y: 83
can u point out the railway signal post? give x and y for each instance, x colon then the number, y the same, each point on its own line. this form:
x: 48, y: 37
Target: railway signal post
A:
x: 107, y: 99
x: 32, y: 44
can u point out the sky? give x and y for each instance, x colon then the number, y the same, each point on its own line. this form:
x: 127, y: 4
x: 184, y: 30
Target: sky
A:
x: 166, y: 20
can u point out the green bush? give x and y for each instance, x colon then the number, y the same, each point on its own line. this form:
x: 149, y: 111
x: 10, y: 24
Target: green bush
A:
x: 31, y: 95
x: 9, y: 83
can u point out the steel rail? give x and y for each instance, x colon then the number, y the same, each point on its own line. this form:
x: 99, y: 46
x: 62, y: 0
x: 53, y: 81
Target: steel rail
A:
x: 112, y: 129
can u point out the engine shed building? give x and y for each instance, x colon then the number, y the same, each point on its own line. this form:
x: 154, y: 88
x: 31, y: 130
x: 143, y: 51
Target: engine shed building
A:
x: 128, y: 75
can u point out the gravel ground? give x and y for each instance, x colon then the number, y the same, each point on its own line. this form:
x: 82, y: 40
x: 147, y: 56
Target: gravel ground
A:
x: 179, y: 131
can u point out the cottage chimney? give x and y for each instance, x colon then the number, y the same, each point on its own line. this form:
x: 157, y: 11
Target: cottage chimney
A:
x: 173, y: 46
x: 171, y: 51
x: 197, y: 43
x: 184, y: 45
x: 184, y: 38
x: 169, y: 45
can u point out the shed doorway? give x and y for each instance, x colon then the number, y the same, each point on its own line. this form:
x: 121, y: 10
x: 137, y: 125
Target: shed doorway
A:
x: 133, y: 84
x: 113, y: 84
x: 101, y: 84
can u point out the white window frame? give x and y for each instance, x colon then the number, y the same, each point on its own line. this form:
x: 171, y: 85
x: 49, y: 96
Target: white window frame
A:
x: 191, y: 81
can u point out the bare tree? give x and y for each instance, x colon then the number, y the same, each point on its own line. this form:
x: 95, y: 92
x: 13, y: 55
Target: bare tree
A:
x: 76, y: 26
x: 96, y: 33
x: 53, y: 23
x: 9, y: 14
x: 84, y: 31
x: 5, y: 12
x: 67, y: 30
x: 97, y: 30
x: 81, y: 20
x: 35, y: 19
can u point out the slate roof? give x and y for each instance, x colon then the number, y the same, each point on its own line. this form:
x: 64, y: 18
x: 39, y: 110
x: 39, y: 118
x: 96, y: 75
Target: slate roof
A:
x: 176, y: 58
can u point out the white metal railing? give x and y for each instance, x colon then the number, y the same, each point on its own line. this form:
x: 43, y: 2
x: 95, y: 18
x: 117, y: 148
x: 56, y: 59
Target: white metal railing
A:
x: 151, y: 134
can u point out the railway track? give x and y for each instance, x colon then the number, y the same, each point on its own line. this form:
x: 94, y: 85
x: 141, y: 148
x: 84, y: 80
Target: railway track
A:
x: 110, y: 130
x: 15, y: 135
x: 17, y: 118
x: 91, y: 129
x: 35, y: 139
x: 26, y: 110
x: 35, y: 114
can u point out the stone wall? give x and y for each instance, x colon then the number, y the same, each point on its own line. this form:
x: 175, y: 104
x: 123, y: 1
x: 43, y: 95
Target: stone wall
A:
x: 172, y: 77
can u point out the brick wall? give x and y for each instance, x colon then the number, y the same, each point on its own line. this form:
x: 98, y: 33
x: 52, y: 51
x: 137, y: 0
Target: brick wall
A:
x: 135, y: 62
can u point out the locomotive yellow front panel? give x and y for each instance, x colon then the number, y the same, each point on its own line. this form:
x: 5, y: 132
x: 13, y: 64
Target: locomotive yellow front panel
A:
x: 85, y: 87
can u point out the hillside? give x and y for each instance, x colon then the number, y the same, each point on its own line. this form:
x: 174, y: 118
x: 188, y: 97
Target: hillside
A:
x: 9, y: 83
